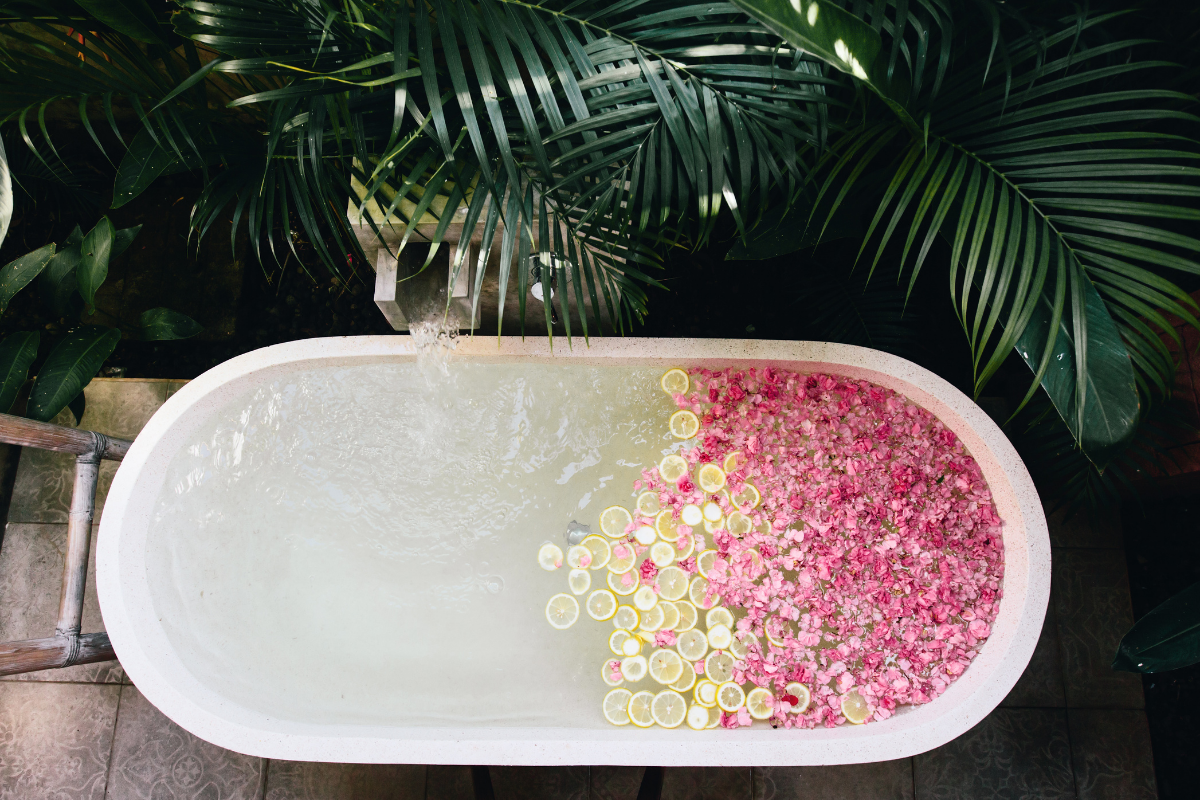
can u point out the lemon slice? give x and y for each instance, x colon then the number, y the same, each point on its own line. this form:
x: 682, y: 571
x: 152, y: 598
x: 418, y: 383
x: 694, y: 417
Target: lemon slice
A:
x: 684, y: 424
x: 606, y: 672
x: 756, y: 703
x: 631, y: 646
x: 801, y: 693
x: 639, y: 709
x: 730, y: 696
x: 719, y: 637
x: 686, y: 680
x: 705, y: 693
x: 562, y: 611
x: 675, y: 381
x: 704, y: 561
x: 669, y: 708
x: 740, y: 645
x: 711, y: 478
x: 645, y: 535
x: 666, y: 666
x: 601, y: 551
x: 711, y: 512
x: 614, y: 583
x: 714, y: 717
x: 614, y: 520
x: 687, y: 616
x: 580, y: 580
x: 718, y: 667
x: 670, y: 614
x: 616, y: 640
x: 776, y: 628
x: 623, y: 558
x: 688, y: 547
x: 652, y: 620
x: 616, y: 706
x: 662, y: 554
x: 634, y: 668
x: 747, y: 498
x: 697, y: 591
x: 672, y: 468
x: 550, y: 557
x: 626, y: 618
x: 601, y: 605
x: 647, y: 504
x: 692, y: 645
x: 739, y: 524
x: 733, y: 461
x: 697, y: 717
x: 713, y: 527
x: 665, y: 524
x: 718, y: 616
x: 645, y: 598
x: 579, y: 557
x: 692, y: 515
x: 854, y: 708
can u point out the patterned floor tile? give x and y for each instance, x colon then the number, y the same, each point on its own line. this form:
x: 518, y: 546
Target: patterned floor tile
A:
x: 1080, y: 530
x: 883, y: 780
x: 31, y: 565
x: 706, y: 783
x: 1093, y: 611
x: 448, y: 782
x: 154, y: 758
x: 540, y: 783
x: 1111, y: 752
x: 616, y: 783
x: 1041, y: 685
x: 55, y: 740
x: 299, y: 780
x: 1013, y: 753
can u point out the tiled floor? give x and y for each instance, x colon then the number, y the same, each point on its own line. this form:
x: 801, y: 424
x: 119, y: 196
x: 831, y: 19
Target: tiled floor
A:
x: 1070, y: 728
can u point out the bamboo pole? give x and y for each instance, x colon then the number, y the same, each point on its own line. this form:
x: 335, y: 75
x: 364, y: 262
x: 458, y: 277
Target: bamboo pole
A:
x: 44, y: 436
x: 31, y: 655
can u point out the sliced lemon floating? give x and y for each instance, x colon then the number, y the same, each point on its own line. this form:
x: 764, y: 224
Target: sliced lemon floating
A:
x: 616, y: 706
x: 692, y: 645
x: 711, y: 511
x: 623, y: 558
x: 747, y: 498
x: 697, y: 717
x: 580, y: 580
x: 697, y: 591
x: 718, y: 667
x: 601, y: 550
x: 686, y: 680
x: 601, y: 605
x: 704, y: 561
x: 645, y: 535
x: 626, y: 618
x: 634, y: 668
x: 631, y: 646
x: 757, y: 703
x: 614, y: 583
x: 616, y: 640
x: 680, y: 555
x: 662, y: 554
x: 711, y: 478
x: 579, y: 557
x: 854, y: 708
x: 687, y: 616
x: 639, y: 709
x: 645, y: 598
x: 692, y: 515
x: 606, y: 672
x: 739, y: 524
x: 670, y: 614
x: 705, y: 693
x: 653, y: 619
x: 550, y: 557
x: 776, y: 628
x: 666, y: 666
x: 733, y: 461
x: 666, y: 526
x: 730, y: 696
x: 718, y: 616
x: 647, y: 504
x: 714, y: 717
x: 672, y: 468
x: 713, y: 527
x: 614, y: 520
x: 719, y: 637
x: 669, y: 708
x: 562, y: 611
x: 740, y: 645
x: 675, y: 381
x: 684, y: 424
x: 801, y: 693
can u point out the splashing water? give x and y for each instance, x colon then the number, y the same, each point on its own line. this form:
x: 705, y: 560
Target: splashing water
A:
x: 435, y: 340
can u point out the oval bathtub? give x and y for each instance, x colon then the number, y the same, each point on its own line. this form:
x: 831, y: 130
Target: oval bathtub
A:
x: 254, y: 585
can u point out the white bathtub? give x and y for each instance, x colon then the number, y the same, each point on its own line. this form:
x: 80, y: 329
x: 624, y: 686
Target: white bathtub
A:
x: 146, y: 638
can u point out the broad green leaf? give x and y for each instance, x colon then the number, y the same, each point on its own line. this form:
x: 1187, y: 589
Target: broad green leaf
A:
x: 59, y: 280
x: 17, y: 352
x: 70, y: 367
x: 122, y: 239
x: 17, y: 274
x: 1166, y: 638
x: 162, y: 324
x: 96, y: 250
x: 143, y: 162
x: 6, y: 193
x: 130, y: 17
x: 78, y: 406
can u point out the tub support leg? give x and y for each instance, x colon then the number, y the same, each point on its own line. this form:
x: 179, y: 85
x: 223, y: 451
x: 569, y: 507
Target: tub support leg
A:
x: 652, y: 783
x: 481, y: 778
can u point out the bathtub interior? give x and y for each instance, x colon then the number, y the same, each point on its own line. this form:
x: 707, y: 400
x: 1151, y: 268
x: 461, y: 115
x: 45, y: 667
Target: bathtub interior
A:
x: 306, y: 663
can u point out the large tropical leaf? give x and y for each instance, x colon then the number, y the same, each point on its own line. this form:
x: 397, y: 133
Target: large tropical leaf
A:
x: 6, y: 193
x: 17, y: 274
x: 17, y: 352
x: 1167, y: 638
x: 70, y: 367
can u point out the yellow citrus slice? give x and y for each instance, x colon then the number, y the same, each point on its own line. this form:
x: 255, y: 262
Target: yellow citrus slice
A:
x: 714, y: 717
x: 733, y: 461
x: 580, y: 580
x: 718, y: 616
x: 601, y: 551
x: 730, y: 696
x: 687, y: 616
x: 645, y: 598
x: 601, y: 605
x: 623, y: 558
x: 719, y: 637
x: 616, y: 641
x: 713, y: 527
x: 739, y: 524
x: 692, y: 645
x: 697, y: 717
x: 675, y: 381
x: 686, y: 680
x: 616, y: 706
x: 757, y: 703
x: 672, y: 582
x: 639, y: 709
x: 631, y: 646
x: 747, y: 499
x: 711, y: 478
x: 801, y: 693
x: 684, y: 424
x: 669, y: 708
x: 718, y: 667
x: 705, y: 693
x: 711, y: 512
x: 697, y: 594
x: 662, y: 554
x: 740, y: 645
x: 704, y: 561
x: 645, y: 535
x: 614, y: 520
x: 666, y: 666
x: 579, y: 557
x: 692, y: 515
x: 634, y: 668
x: 652, y: 620
x: 550, y: 557
x: 607, y: 672
x: 614, y: 583
x: 562, y: 611
x: 688, y: 547
x: 670, y: 614
x: 672, y: 468
x: 854, y: 708
x: 626, y: 618
x: 665, y: 524
x: 776, y: 628
x: 647, y: 504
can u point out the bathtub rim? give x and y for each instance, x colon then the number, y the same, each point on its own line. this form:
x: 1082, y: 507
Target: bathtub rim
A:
x: 1026, y: 590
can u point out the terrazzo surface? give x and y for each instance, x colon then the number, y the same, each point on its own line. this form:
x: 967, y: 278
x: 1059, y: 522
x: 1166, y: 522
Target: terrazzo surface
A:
x: 1069, y: 728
